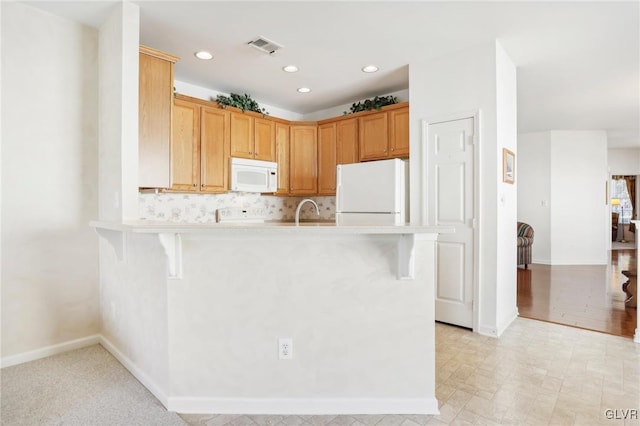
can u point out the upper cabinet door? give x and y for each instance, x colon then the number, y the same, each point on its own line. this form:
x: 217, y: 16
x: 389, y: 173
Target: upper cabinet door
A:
x: 185, y: 146
x: 347, y: 141
x: 215, y: 147
x: 399, y: 132
x: 303, y: 154
x: 241, y: 135
x: 265, y: 140
x: 373, y: 136
x: 327, y: 159
x: 155, y: 101
x: 282, y: 157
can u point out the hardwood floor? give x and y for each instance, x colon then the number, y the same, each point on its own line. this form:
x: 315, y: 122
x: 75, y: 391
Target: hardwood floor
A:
x: 589, y: 297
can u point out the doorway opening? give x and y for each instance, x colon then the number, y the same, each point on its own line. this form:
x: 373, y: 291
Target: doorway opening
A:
x: 623, y: 203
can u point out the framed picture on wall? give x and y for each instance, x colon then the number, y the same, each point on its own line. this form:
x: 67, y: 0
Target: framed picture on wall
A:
x: 508, y: 166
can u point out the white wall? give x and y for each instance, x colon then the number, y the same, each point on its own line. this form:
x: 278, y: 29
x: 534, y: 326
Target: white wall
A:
x: 211, y: 94
x: 534, y: 195
x: 134, y: 310
x: 624, y: 161
x: 118, y: 94
x: 568, y: 171
x: 579, y: 212
x: 507, y: 137
x: 339, y: 110
x: 467, y: 82
x: 49, y: 176
x: 0, y: 181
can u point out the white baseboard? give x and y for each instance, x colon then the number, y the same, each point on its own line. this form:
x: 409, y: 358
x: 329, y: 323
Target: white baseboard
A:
x: 304, y: 406
x: 506, y: 323
x: 636, y: 337
x: 142, y: 377
x: 496, y: 331
x: 487, y: 330
x: 47, y: 351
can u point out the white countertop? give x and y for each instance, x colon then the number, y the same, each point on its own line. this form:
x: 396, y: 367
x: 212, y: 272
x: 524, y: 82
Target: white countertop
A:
x: 310, y: 228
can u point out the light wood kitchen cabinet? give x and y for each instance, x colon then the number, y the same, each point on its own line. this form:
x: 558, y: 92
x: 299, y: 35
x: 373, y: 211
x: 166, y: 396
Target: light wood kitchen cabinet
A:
x: 384, y: 134
x: 307, y: 153
x: 327, y: 159
x: 264, y: 140
x: 347, y: 141
x: 199, y: 148
x: 303, y: 155
x: 399, y: 132
x: 373, y: 136
x: 252, y: 137
x: 185, y: 147
x: 214, y: 149
x: 155, y: 101
x: 241, y: 135
x: 282, y: 157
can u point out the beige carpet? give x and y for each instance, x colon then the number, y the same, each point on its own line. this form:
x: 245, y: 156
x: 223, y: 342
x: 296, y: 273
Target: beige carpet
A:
x: 83, y: 387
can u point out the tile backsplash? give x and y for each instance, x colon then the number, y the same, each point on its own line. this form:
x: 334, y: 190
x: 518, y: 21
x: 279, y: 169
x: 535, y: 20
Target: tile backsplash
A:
x: 201, y: 208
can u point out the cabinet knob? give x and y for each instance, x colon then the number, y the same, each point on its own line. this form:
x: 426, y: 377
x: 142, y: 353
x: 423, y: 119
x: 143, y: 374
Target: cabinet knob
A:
x: 194, y: 185
x: 393, y: 149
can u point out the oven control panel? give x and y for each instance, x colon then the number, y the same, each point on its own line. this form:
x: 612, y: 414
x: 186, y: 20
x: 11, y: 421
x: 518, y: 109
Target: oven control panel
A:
x: 241, y: 215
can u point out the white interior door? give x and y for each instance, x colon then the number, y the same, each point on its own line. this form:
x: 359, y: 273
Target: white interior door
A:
x: 450, y: 202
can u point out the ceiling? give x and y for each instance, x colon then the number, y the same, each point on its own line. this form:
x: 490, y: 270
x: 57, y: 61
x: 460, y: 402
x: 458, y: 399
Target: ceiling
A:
x: 577, y: 62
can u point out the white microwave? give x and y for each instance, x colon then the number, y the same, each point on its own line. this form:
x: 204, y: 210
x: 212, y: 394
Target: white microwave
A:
x: 253, y: 175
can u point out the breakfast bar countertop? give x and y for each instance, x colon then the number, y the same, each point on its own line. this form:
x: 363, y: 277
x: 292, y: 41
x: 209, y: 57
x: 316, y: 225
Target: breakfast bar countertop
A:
x: 304, y: 228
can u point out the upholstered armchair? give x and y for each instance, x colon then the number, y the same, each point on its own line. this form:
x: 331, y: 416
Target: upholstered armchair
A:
x: 525, y: 241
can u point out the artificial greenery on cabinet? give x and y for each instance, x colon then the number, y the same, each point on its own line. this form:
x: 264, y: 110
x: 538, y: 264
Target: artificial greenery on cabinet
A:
x: 243, y: 102
x: 374, y: 103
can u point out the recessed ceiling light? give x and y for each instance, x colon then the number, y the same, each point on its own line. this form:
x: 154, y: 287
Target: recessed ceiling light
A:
x: 370, y: 68
x: 290, y: 68
x: 204, y: 55
x: 304, y: 90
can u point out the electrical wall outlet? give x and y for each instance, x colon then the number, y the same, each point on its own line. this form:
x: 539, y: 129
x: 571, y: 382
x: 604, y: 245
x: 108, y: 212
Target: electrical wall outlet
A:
x: 285, y: 348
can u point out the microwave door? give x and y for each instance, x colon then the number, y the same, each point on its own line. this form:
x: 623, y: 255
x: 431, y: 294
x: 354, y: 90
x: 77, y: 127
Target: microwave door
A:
x: 252, y: 177
x: 250, y: 180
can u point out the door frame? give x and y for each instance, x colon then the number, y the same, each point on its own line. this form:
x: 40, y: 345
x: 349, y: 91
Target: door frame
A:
x: 425, y: 123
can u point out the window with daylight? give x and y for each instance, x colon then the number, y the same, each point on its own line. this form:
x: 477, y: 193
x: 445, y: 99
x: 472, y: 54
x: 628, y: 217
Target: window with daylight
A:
x: 619, y: 191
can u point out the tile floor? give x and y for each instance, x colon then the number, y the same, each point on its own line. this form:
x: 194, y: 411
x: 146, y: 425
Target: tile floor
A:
x: 537, y: 373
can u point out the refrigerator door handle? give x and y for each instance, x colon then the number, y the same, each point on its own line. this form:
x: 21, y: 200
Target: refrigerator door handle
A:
x: 338, y: 191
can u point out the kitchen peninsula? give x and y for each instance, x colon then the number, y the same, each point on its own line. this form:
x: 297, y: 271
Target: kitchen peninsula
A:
x: 196, y: 312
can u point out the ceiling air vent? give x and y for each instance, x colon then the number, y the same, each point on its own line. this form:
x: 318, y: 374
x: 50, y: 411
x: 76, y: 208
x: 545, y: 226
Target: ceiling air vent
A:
x: 265, y: 45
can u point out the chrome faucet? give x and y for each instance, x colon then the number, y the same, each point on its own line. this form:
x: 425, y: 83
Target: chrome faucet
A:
x: 300, y: 207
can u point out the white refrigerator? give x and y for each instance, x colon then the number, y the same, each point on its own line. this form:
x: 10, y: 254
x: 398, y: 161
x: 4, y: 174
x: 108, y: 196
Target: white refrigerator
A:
x: 372, y: 193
